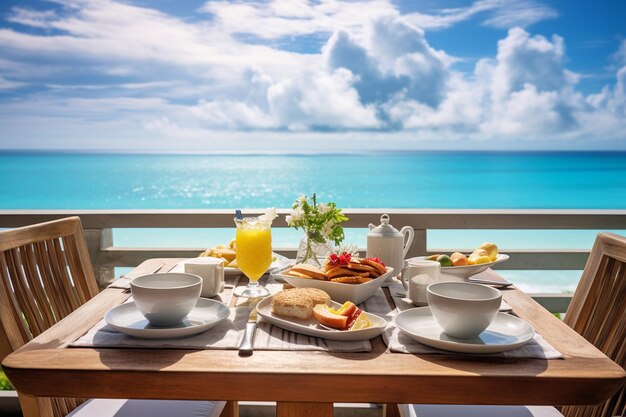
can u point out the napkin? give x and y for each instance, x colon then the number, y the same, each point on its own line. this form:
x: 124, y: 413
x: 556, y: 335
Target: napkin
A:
x: 397, y: 341
x: 123, y: 282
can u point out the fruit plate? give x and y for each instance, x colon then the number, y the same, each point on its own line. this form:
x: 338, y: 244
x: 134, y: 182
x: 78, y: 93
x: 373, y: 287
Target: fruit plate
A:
x: 467, y: 271
x: 311, y: 327
x: 357, y: 293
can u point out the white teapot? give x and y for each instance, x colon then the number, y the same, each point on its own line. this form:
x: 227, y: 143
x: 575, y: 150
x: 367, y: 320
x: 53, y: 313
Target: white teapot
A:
x: 389, y: 244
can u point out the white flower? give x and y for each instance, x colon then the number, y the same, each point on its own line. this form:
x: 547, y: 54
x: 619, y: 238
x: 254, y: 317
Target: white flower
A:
x: 289, y: 220
x: 296, y: 214
x: 301, y: 200
x: 327, y: 229
x: 323, y: 208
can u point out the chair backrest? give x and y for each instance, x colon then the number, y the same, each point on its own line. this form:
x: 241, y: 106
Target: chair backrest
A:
x: 598, y: 313
x: 45, y: 274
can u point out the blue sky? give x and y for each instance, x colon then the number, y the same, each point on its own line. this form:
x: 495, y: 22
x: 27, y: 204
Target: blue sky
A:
x: 295, y: 75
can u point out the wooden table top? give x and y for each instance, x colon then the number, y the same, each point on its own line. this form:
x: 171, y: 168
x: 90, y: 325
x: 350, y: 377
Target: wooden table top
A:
x: 47, y: 367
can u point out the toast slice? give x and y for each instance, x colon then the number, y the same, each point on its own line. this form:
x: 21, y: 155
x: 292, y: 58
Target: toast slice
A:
x: 345, y: 272
x: 380, y: 267
x: 298, y: 302
x: 309, y: 270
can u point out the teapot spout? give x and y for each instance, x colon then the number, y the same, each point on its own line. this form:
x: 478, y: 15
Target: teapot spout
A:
x: 371, y: 226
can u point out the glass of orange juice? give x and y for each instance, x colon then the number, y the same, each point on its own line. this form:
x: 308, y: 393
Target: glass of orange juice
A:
x: 254, y: 253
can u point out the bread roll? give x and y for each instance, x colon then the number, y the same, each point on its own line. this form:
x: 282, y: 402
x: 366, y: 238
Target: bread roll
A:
x: 298, y: 302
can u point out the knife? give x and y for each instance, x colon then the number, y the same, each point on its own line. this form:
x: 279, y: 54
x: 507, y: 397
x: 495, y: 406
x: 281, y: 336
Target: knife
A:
x: 247, y: 343
x: 490, y: 282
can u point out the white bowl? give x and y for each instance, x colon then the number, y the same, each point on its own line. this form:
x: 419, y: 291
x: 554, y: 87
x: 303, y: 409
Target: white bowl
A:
x: 357, y: 293
x: 166, y: 299
x: 463, y: 310
x: 467, y: 271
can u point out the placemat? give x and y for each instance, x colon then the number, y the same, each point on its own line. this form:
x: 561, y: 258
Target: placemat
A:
x: 399, y: 342
x: 227, y: 334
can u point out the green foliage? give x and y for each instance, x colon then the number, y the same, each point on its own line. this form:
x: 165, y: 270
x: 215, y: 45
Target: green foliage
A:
x: 5, y: 385
x: 320, y: 221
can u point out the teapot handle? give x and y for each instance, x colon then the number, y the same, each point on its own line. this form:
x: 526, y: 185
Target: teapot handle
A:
x: 408, y: 233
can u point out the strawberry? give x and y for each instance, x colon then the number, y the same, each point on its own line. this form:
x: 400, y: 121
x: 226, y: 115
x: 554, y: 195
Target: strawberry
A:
x: 377, y: 260
x: 335, y: 260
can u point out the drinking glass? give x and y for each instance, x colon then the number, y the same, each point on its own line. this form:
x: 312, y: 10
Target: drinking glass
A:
x: 254, y: 254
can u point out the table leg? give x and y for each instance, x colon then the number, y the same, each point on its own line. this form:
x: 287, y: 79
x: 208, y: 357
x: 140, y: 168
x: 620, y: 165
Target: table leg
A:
x: 291, y: 409
x: 391, y: 410
x: 231, y: 409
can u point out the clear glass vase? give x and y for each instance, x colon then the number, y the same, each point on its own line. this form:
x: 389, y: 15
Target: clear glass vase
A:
x: 310, y: 252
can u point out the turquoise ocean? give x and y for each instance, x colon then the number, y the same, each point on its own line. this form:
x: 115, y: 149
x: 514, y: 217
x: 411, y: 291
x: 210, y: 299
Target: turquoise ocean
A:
x: 507, y: 180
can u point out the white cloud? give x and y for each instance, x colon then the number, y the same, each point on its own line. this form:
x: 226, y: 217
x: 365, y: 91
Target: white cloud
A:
x: 501, y: 14
x: 320, y: 100
x: 280, y: 18
x: 519, y: 13
x: 123, y: 36
x: 530, y: 90
x: 8, y: 84
x: 372, y: 72
x: 394, y: 59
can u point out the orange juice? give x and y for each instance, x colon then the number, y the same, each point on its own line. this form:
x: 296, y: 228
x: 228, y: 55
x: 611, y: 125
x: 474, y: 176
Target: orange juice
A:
x: 254, y: 250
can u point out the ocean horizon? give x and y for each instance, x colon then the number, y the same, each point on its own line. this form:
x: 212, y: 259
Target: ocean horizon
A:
x: 386, y: 179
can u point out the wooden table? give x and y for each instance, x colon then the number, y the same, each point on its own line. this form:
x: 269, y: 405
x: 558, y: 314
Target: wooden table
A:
x: 307, y: 383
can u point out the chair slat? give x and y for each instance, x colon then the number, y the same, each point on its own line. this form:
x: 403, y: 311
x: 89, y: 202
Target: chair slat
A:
x: 45, y: 268
x: 16, y: 333
x: 45, y: 274
x: 598, y: 313
x: 79, y: 276
x: 22, y: 294
x: 61, y: 274
x: 35, y: 284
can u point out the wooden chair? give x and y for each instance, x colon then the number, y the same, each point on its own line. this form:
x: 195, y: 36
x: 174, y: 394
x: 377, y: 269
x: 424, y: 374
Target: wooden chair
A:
x: 597, y: 312
x: 45, y: 274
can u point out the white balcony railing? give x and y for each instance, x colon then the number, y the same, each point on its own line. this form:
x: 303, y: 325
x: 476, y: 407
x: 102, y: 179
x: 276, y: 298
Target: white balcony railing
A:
x: 99, y: 224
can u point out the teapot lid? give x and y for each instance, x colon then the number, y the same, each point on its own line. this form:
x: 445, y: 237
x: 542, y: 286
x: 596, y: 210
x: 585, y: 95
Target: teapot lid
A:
x: 384, y: 229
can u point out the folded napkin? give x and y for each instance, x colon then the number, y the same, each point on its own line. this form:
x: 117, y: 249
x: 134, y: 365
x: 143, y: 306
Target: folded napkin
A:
x: 123, y: 282
x: 400, y: 342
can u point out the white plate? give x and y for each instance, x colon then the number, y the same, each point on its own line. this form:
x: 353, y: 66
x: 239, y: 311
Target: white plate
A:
x: 357, y: 293
x: 127, y: 319
x: 507, y: 332
x: 467, y: 271
x: 312, y: 327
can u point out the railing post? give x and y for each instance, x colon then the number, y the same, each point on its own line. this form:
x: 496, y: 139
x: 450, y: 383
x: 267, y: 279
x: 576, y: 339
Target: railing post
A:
x: 97, y: 240
x: 419, y: 245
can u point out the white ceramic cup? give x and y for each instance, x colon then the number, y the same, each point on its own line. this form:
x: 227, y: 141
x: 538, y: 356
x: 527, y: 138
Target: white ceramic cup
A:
x: 211, y: 270
x: 413, y: 268
x: 166, y: 299
x: 416, y: 290
x: 462, y: 309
